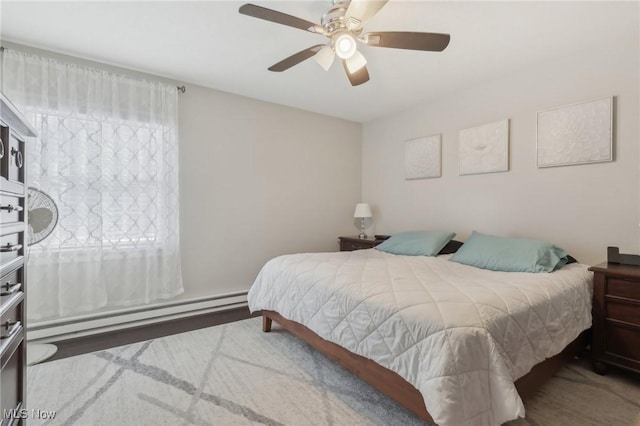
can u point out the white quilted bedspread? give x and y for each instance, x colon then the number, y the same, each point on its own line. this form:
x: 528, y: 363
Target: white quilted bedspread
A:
x: 461, y: 335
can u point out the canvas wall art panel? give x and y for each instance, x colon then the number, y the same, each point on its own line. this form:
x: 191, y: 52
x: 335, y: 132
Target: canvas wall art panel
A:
x: 422, y: 158
x: 576, y: 134
x: 484, y: 149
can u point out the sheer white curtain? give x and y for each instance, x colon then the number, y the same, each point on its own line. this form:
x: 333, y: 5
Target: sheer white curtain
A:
x: 107, y: 153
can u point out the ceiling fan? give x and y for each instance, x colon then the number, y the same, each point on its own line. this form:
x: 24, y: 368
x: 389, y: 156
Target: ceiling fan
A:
x: 343, y: 25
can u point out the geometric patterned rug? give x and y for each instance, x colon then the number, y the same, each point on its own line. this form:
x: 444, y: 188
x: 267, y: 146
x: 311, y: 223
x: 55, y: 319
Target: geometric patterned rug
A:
x: 234, y: 374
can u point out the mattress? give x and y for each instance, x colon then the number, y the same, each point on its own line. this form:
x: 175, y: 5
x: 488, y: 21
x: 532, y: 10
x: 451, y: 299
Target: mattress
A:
x: 459, y: 334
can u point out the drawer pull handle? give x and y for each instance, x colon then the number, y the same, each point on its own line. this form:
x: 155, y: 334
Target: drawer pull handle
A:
x: 1, y: 148
x: 10, y: 247
x: 9, y: 288
x: 12, y: 327
x: 11, y: 208
x: 18, y: 155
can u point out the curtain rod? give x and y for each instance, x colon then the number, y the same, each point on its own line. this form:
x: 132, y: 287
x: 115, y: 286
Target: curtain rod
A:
x: 181, y: 89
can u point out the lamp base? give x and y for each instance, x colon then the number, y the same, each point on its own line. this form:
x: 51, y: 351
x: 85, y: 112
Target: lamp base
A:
x: 362, y: 235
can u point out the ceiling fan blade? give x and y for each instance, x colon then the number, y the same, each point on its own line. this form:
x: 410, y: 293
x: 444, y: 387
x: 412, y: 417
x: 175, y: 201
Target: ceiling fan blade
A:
x: 277, y: 17
x: 358, y: 77
x: 435, y: 42
x: 360, y: 11
x: 295, y: 59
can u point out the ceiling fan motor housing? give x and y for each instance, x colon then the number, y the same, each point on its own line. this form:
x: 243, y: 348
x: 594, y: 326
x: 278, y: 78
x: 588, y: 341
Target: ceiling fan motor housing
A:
x: 333, y: 20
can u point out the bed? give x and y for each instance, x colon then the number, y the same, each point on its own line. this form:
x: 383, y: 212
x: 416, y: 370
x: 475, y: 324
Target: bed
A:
x: 455, y: 344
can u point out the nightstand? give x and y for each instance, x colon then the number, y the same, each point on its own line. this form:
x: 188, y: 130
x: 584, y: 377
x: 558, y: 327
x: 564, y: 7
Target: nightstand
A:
x: 355, y: 243
x: 616, y: 317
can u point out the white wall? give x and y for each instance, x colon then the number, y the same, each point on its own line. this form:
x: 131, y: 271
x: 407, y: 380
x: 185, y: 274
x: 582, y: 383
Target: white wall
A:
x: 582, y: 208
x: 258, y: 180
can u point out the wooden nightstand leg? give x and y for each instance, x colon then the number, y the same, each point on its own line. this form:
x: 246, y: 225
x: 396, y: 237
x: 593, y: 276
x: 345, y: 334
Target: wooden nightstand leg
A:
x: 266, y: 323
x: 600, y: 368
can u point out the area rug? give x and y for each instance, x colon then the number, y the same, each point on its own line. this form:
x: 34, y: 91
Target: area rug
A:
x: 234, y: 374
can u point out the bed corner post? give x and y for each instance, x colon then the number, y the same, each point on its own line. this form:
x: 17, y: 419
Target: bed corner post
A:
x: 266, y: 323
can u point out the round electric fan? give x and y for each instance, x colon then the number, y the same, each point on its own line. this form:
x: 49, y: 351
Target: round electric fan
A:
x: 43, y: 215
x: 42, y: 218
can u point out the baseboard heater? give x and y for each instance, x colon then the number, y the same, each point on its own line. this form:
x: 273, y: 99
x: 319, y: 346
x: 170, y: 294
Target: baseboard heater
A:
x: 67, y: 328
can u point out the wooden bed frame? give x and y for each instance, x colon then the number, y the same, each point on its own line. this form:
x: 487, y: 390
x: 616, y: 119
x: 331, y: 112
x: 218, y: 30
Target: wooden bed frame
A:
x: 397, y: 388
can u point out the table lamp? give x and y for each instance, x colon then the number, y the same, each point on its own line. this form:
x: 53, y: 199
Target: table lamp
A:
x: 362, y: 211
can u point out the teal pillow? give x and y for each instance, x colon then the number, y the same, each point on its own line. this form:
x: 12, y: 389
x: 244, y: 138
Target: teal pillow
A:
x: 416, y: 243
x: 510, y: 254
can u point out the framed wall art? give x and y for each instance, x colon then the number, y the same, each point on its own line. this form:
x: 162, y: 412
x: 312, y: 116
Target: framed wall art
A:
x: 422, y: 158
x: 484, y: 149
x: 576, y: 134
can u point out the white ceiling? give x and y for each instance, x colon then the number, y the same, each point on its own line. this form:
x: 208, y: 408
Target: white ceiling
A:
x: 209, y: 43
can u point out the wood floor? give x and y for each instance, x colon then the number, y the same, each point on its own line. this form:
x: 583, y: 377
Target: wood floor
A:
x: 98, y: 342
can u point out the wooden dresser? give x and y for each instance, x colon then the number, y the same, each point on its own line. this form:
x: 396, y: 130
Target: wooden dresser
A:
x: 13, y: 242
x: 616, y: 317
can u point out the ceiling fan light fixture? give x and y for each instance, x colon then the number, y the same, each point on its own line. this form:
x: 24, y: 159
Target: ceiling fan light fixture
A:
x: 343, y: 26
x: 344, y: 45
x: 325, y: 57
x: 355, y: 62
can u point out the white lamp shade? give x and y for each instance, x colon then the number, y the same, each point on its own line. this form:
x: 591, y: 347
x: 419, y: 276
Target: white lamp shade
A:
x: 325, y: 57
x: 356, y: 62
x: 362, y: 210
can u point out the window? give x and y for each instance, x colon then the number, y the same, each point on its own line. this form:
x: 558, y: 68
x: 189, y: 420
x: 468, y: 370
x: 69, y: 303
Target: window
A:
x: 107, y: 153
